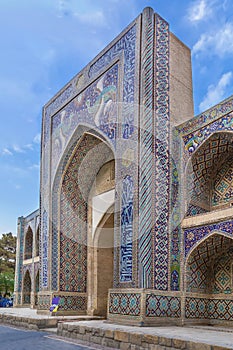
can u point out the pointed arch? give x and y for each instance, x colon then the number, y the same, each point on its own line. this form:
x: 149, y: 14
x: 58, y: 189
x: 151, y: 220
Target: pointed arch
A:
x: 208, y: 262
x: 28, y: 244
x: 72, y: 184
x: 208, y: 181
x: 27, y: 288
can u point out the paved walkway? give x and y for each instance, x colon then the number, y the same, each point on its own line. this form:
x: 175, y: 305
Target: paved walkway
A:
x: 29, y: 318
x: 216, y: 337
x: 32, y: 313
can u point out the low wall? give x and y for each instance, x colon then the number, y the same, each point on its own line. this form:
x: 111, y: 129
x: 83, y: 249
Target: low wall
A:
x: 28, y: 322
x: 144, y: 307
x: 128, y: 339
x: 70, y: 303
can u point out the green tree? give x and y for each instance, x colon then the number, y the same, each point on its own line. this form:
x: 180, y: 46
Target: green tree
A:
x: 7, y: 262
x: 6, y: 283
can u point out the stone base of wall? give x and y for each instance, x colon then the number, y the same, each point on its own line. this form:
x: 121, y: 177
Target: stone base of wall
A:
x: 27, y: 322
x: 128, y: 339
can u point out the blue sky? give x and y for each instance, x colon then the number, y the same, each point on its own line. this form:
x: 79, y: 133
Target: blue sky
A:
x: 45, y: 43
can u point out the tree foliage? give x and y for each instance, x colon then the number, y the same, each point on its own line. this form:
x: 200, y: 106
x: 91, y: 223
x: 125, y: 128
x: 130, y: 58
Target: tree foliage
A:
x: 7, y: 262
x: 6, y: 283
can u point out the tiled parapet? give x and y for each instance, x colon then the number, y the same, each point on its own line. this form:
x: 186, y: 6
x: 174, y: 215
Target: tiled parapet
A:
x: 144, y: 307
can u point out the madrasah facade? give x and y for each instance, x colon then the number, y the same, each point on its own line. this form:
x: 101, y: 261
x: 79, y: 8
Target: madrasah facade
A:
x: 136, y: 194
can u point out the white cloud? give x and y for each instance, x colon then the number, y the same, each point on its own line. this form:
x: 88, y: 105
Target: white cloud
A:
x: 7, y: 152
x: 219, y: 42
x: 10, y: 151
x: 17, y: 149
x: 37, y: 138
x: 34, y: 167
x: 92, y: 18
x: 199, y: 10
x: 216, y: 93
x: 29, y: 146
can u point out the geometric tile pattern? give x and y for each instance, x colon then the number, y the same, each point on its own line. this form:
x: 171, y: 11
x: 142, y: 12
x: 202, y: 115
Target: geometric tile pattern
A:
x: 195, y: 210
x: 76, y: 183
x: 45, y: 239
x: 198, y: 276
x: 217, y: 112
x: 162, y: 306
x: 222, y: 192
x: 162, y: 158
x: 194, y: 140
x: 193, y: 235
x: 206, y: 161
x: 44, y: 302
x: 126, y: 230
x: 125, y: 304
x: 213, y: 309
x: 73, y: 221
x: 222, y: 270
x: 74, y: 194
x: 73, y: 303
x: 208, y: 268
x: 220, y: 309
x: 196, y: 308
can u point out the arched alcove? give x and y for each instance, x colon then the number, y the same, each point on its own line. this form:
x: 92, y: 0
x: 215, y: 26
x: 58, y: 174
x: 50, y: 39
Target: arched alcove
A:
x: 27, y: 288
x: 91, y: 159
x: 209, y: 175
x: 209, y: 266
x: 28, y: 245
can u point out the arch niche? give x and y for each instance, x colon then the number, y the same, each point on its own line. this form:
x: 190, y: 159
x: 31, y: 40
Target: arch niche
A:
x: 28, y: 245
x: 27, y: 288
x: 87, y: 191
x: 209, y: 266
x: 209, y: 175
